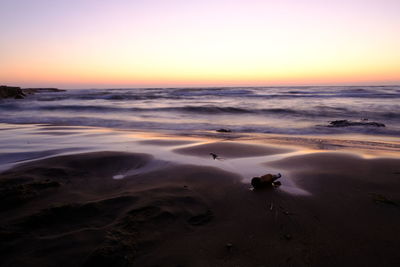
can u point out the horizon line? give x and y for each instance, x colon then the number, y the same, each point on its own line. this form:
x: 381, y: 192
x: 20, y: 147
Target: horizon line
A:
x: 198, y: 87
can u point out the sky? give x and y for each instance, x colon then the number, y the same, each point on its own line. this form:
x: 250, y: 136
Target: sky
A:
x: 166, y: 43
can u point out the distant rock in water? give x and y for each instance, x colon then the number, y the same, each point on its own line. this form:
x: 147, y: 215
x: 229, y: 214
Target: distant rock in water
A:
x: 346, y: 123
x: 41, y: 90
x: 11, y: 92
x: 18, y: 93
x: 223, y: 130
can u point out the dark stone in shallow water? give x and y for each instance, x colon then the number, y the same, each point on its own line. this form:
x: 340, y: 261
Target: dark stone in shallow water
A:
x: 223, y: 130
x: 346, y: 123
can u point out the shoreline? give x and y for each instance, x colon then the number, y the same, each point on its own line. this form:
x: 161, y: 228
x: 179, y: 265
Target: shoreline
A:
x: 362, y: 144
x: 30, y: 142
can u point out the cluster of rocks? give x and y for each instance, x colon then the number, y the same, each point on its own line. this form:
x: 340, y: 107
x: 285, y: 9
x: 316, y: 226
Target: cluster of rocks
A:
x: 18, y: 93
x: 41, y: 90
x: 346, y: 123
x: 11, y: 92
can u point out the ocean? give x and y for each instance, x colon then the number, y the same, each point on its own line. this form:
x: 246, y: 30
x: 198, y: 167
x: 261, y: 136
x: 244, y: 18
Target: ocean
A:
x: 271, y: 110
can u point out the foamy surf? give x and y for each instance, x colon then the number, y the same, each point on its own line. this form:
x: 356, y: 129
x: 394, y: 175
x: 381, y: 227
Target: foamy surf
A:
x: 276, y: 110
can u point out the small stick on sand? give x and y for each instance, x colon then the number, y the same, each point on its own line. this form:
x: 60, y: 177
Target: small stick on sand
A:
x: 214, y: 156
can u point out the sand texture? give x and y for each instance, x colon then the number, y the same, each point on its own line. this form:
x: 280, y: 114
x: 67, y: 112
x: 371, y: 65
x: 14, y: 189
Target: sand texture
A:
x: 69, y: 211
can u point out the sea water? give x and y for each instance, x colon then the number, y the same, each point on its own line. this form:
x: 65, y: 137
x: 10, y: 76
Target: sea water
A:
x: 276, y: 110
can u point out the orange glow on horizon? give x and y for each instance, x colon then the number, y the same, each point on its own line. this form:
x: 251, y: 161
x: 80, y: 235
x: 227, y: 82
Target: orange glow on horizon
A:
x: 71, y: 78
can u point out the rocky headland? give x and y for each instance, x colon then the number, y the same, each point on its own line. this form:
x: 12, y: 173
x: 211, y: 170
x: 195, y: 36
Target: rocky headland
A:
x: 11, y: 92
x: 19, y: 93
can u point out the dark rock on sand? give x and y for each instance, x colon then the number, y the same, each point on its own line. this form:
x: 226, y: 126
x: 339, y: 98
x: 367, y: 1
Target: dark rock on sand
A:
x: 11, y: 92
x: 266, y: 180
x: 346, y: 123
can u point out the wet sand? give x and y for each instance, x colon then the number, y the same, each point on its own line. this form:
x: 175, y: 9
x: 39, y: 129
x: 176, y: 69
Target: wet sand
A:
x: 69, y: 211
x: 230, y: 150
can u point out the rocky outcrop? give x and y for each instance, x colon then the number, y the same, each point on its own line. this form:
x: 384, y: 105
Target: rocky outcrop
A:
x: 346, y: 123
x: 30, y: 91
x: 222, y: 130
x: 11, y: 92
x: 18, y: 93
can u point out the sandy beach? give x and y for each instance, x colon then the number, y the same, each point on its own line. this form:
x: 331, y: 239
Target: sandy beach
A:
x: 182, y: 208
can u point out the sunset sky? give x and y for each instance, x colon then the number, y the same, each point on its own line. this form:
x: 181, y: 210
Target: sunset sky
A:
x: 153, y: 43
